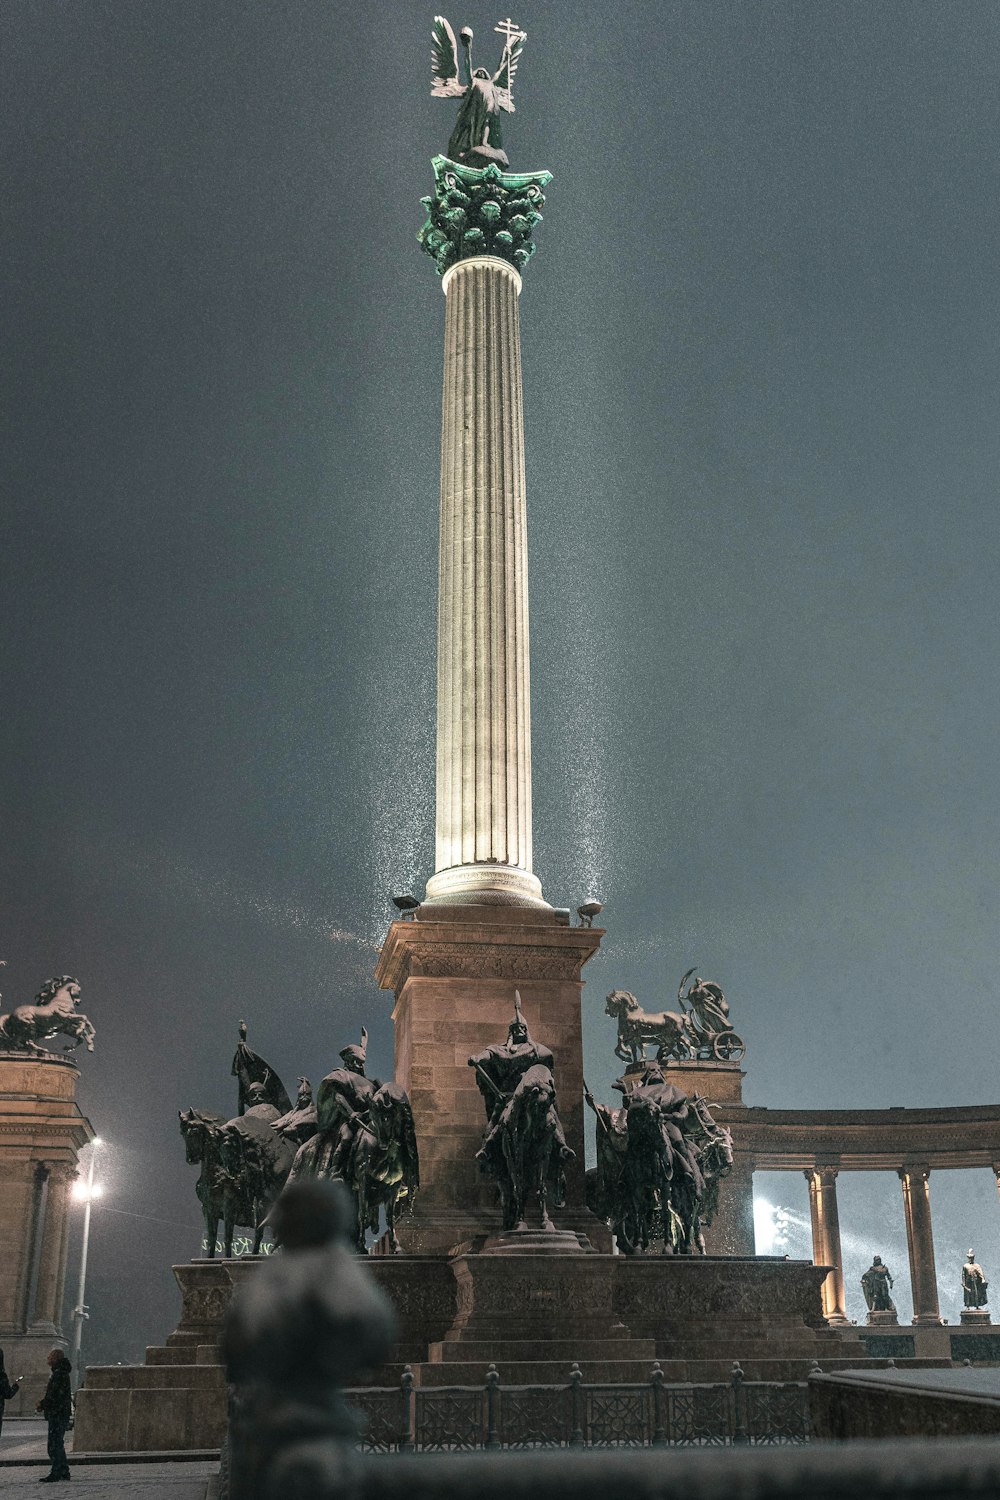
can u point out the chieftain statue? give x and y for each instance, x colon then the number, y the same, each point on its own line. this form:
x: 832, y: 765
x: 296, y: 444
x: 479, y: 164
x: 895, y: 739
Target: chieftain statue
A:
x: 299, y: 1122
x: 342, y: 1104
x: 660, y: 1159
x: 358, y: 1132
x: 876, y: 1284
x: 974, y: 1283
x: 244, y: 1161
x: 524, y: 1147
x: 54, y: 1013
x: 476, y: 140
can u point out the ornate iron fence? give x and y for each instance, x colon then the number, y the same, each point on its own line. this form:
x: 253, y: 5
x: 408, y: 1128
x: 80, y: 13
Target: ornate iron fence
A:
x: 461, y: 1419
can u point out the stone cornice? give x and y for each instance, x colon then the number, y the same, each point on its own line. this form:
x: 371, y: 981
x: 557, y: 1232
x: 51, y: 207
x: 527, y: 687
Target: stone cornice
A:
x: 482, y: 949
x: 865, y: 1140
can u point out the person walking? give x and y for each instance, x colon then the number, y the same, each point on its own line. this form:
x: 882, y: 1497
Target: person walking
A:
x: 7, y: 1391
x: 56, y: 1406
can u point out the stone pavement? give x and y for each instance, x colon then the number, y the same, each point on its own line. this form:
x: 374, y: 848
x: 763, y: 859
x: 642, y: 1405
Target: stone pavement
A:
x: 23, y: 1461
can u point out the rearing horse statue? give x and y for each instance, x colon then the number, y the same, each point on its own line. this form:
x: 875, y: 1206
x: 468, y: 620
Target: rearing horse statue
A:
x: 54, y: 1012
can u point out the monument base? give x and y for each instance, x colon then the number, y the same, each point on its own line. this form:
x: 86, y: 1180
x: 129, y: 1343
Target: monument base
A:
x: 41, y: 1133
x: 879, y: 1317
x: 975, y: 1317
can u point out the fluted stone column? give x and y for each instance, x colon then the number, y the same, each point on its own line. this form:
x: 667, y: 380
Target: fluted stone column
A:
x: 52, y: 1260
x: 827, y: 1251
x: 479, y: 233
x: 483, y: 848
x: 920, y: 1243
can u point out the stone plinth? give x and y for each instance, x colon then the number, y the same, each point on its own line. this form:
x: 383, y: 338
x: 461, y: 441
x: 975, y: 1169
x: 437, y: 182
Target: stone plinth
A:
x: 975, y: 1317
x: 454, y: 971
x: 176, y: 1401
x: 41, y: 1133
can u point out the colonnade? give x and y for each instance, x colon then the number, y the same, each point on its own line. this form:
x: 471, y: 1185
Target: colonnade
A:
x: 915, y: 1180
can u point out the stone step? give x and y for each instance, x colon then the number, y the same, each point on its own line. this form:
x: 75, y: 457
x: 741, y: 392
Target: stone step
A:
x: 523, y: 1351
x: 159, y: 1377
x: 163, y: 1354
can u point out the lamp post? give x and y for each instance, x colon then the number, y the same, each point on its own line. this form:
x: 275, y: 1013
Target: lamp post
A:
x: 84, y: 1192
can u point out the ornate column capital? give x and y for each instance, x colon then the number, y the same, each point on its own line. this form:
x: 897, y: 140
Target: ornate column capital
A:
x: 477, y: 211
x: 913, y: 1170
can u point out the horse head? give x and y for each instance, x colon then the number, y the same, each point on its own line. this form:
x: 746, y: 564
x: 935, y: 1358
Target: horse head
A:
x: 620, y: 1003
x: 195, y: 1128
x: 59, y: 993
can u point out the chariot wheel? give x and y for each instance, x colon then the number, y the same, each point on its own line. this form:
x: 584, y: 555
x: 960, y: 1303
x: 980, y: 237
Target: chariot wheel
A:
x: 728, y: 1046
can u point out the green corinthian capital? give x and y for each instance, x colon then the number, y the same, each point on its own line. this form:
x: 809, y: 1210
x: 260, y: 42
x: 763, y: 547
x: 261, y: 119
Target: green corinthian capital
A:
x: 482, y: 211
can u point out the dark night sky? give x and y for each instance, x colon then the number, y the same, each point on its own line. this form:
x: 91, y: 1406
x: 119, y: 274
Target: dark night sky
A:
x: 761, y: 377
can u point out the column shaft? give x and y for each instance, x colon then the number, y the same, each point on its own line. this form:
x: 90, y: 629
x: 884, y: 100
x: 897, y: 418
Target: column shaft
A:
x: 920, y: 1243
x: 483, y: 844
x: 825, y: 1216
x: 52, y: 1261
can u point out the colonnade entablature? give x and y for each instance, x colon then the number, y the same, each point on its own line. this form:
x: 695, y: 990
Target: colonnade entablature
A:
x: 913, y: 1143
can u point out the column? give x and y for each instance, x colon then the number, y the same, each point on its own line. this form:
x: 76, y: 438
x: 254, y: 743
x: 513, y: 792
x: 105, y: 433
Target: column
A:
x: 483, y: 846
x: 920, y: 1242
x: 52, y: 1261
x: 825, y: 1216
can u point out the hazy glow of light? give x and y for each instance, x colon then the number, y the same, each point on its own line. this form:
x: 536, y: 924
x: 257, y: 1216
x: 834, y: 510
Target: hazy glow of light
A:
x: 97, y: 1141
x: 81, y: 1192
x: 771, y: 1225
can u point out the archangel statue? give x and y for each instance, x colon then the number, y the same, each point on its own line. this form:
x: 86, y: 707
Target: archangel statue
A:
x: 876, y: 1284
x: 974, y: 1282
x: 660, y: 1159
x: 476, y: 140
x: 524, y: 1147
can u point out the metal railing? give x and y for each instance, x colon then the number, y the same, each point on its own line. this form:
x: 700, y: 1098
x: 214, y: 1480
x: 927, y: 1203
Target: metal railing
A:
x: 653, y: 1414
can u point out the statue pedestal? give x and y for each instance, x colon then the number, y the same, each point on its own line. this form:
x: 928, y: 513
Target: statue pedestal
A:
x: 454, y: 970
x: 975, y: 1317
x: 41, y: 1132
x: 883, y: 1318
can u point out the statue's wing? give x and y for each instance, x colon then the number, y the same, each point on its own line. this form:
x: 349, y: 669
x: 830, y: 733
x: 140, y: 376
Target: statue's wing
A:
x: 503, y: 78
x: 444, y: 61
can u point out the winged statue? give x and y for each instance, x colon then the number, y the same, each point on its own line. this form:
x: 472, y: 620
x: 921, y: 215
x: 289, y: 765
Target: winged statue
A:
x: 476, y: 139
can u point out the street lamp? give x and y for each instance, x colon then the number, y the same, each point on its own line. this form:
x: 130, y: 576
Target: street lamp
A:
x: 85, y: 1193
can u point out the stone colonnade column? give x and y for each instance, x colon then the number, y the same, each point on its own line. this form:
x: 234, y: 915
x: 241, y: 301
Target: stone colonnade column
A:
x: 483, y: 846
x: 920, y: 1243
x: 825, y: 1218
x: 52, y: 1259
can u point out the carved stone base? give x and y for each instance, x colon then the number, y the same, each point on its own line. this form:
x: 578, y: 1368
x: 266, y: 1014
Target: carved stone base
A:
x: 454, y: 971
x: 975, y: 1317
x: 41, y: 1132
x: 537, y: 1242
x: 883, y: 1318
x: 533, y: 1315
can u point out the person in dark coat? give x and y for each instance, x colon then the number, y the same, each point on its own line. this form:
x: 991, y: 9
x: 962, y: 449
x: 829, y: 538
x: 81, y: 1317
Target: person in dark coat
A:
x: 56, y: 1406
x: 7, y: 1391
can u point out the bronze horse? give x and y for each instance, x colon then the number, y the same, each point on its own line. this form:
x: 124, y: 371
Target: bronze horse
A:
x: 522, y: 1153
x: 53, y: 1012
x: 243, y: 1163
